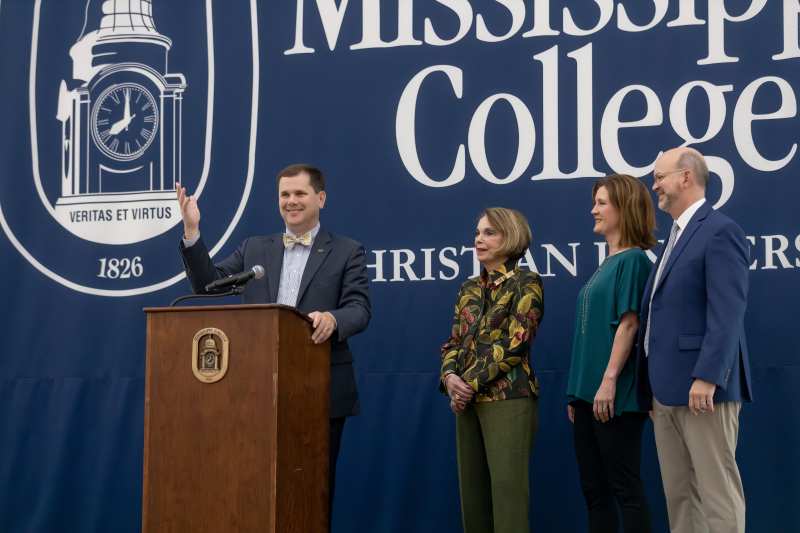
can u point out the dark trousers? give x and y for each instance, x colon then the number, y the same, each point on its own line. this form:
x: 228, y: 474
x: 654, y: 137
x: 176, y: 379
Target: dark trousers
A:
x: 337, y: 427
x: 609, y: 455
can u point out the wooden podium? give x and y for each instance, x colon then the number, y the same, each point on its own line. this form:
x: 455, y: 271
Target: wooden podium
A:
x: 244, y: 452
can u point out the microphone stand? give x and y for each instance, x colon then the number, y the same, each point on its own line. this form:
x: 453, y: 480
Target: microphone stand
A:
x: 234, y: 291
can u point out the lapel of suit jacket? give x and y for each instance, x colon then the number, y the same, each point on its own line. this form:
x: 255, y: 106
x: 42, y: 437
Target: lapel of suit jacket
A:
x: 273, y: 260
x: 320, y: 249
x: 686, y: 236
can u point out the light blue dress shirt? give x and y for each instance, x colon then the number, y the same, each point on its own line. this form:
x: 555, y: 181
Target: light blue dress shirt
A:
x: 294, y: 263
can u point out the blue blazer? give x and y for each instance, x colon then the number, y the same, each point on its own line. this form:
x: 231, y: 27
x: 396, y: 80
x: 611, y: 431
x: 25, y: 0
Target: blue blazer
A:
x: 335, y: 279
x: 697, y: 314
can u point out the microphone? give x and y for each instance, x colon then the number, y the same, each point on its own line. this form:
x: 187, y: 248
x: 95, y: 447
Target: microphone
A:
x: 239, y: 279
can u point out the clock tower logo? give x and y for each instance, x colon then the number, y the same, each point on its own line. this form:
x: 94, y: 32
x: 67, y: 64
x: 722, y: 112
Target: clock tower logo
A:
x: 120, y: 129
x: 126, y: 99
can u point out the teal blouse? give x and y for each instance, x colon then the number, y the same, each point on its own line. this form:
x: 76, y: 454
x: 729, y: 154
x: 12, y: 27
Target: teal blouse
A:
x: 614, y: 289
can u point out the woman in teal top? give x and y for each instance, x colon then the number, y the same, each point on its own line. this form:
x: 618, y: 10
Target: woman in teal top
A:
x: 604, y: 404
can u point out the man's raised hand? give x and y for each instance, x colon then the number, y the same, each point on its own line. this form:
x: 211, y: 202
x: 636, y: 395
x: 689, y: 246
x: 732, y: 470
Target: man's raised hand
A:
x: 189, y: 212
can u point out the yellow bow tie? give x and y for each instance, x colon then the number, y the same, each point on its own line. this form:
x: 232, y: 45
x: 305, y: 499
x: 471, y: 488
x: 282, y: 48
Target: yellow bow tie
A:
x: 290, y: 240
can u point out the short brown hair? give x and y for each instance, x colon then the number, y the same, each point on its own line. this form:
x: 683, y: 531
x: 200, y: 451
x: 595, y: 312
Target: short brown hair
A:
x: 315, y: 177
x: 637, y: 217
x: 513, y: 226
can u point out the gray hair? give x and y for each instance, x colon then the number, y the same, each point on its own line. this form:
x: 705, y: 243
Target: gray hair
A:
x: 694, y: 161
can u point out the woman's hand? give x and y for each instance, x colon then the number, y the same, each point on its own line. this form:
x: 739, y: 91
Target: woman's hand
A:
x: 604, y: 400
x: 455, y: 408
x: 571, y: 413
x: 460, y: 393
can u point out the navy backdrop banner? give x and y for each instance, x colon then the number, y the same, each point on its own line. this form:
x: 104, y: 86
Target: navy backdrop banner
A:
x: 421, y: 113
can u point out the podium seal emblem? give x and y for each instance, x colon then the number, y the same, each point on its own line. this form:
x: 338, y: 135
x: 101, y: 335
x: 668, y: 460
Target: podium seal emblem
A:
x: 210, y: 355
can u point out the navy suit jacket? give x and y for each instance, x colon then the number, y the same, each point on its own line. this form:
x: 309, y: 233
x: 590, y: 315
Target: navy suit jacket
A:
x: 697, y: 314
x: 335, y: 280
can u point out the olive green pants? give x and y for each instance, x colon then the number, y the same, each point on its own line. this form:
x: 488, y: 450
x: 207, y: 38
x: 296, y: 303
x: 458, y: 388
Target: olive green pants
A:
x: 494, y: 441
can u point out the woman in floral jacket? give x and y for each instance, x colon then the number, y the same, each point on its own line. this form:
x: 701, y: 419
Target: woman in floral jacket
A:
x: 487, y: 374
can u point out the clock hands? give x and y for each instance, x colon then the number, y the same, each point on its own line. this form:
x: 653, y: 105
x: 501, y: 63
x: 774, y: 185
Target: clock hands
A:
x: 127, y: 117
x: 128, y: 108
x: 118, y: 126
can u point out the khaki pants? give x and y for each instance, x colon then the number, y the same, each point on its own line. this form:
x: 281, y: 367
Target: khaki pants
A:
x: 697, y: 455
x: 494, y: 442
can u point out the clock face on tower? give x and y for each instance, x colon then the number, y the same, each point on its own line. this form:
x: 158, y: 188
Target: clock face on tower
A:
x: 124, y: 121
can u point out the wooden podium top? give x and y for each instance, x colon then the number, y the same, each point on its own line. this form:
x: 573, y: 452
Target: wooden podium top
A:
x: 226, y: 308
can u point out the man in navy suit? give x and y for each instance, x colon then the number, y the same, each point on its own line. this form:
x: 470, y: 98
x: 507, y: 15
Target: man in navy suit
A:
x: 321, y: 274
x: 695, y: 352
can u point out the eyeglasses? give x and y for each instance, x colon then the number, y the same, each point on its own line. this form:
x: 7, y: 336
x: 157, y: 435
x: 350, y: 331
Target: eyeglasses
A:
x: 658, y: 178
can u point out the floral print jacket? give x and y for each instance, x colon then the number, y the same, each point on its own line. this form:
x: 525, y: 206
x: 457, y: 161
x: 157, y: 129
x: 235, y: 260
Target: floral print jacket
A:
x: 496, y: 318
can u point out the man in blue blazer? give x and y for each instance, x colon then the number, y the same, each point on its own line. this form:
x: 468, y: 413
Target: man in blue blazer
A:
x: 694, y: 352
x: 321, y: 274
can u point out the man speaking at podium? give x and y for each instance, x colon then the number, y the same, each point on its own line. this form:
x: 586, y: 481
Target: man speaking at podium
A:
x: 321, y: 274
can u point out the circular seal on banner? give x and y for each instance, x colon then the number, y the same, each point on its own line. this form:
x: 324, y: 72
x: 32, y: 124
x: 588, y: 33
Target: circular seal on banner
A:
x: 110, y: 143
